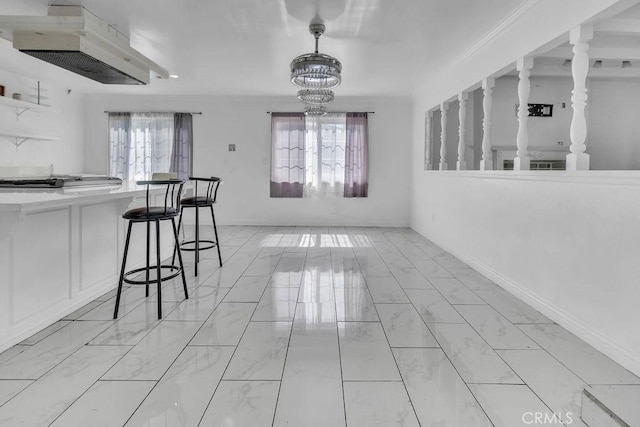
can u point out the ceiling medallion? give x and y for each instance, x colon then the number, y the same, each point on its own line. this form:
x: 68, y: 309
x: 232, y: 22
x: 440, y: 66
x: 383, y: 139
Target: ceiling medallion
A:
x: 316, y: 73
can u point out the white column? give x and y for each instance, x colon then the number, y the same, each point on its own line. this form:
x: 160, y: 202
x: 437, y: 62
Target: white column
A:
x: 579, y: 37
x: 522, y: 160
x: 443, y: 136
x: 462, y: 130
x: 428, y: 140
x: 486, y: 164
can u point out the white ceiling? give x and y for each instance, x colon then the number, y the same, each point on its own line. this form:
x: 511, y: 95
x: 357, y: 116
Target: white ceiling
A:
x: 244, y: 47
x: 616, y: 41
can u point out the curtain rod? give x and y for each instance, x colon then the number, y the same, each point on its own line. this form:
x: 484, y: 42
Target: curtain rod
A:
x: 328, y: 112
x: 182, y: 112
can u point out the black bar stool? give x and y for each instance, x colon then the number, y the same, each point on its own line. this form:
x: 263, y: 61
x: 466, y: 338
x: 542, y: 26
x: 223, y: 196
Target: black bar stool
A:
x: 149, y: 214
x: 197, y: 202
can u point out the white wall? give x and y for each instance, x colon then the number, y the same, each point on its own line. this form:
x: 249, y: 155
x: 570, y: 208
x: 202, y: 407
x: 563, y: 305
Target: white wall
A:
x: 64, y: 122
x: 570, y: 249
x: 613, y: 119
x: 452, y: 137
x: 244, y: 197
x: 542, y: 131
x: 437, y: 140
x: 473, y: 139
x: 476, y: 124
x: 613, y: 134
x: 453, y: 124
x: 532, y: 25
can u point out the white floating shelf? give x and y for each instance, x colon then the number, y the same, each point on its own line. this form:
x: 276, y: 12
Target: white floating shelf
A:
x: 22, y: 106
x: 21, y: 138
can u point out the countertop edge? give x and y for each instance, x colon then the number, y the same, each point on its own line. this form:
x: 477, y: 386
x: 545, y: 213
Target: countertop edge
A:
x: 30, y: 200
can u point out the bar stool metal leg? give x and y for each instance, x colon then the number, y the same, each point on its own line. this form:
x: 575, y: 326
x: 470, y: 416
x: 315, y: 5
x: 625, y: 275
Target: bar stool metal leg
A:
x: 184, y: 278
x: 155, y: 214
x: 215, y: 230
x: 197, y: 238
x: 146, y: 294
x: 173, y: 257
x: 158, y: 266
x: 122, y: 270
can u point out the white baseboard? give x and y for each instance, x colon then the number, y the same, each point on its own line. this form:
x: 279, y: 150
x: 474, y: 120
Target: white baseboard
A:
x: 336, y: 223
x: 20, y: 332
x: 601, y: 342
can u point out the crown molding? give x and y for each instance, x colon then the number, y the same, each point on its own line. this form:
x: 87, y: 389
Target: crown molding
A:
x: 503, y: 25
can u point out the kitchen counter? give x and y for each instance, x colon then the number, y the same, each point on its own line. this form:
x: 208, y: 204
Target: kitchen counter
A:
x: 27, y: 199
x: 62, y: 248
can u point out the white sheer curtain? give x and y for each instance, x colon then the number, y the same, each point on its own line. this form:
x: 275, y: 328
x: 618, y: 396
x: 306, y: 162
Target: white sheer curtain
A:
x: 319, y: 156
x: 140, y: 144
x: 287, y: 154
x: 325, y: 140
x: 119, y: 136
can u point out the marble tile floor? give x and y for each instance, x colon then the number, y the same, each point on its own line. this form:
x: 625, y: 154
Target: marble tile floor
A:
x: 611, y: 405
x: 303, y: 327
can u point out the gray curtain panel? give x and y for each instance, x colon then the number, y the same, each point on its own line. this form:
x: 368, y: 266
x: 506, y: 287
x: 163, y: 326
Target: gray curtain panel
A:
x: 356, y: 171
x: 287, y: 154
x: 181, y: 152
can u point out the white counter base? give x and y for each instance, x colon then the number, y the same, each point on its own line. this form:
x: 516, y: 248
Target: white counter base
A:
x: 59, y: 250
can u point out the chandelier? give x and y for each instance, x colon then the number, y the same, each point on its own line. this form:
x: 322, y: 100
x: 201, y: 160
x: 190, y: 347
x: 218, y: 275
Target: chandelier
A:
x: 315, y: 96
x: 317, y: 74
x: 315, y: 110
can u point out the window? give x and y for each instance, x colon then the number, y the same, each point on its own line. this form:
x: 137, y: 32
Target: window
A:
x: 143, y: 143
x: 319, y: 156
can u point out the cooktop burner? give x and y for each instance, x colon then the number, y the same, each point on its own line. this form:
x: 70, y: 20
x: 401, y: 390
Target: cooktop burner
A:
x: 58, y: 181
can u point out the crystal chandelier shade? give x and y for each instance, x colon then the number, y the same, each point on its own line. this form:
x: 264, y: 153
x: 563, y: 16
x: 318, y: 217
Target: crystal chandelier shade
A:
x: 316, y: 73
x: 315, y: 110
x: 316, y: 70
x: 315, y: 96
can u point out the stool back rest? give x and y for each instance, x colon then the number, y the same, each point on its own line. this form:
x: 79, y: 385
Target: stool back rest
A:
x: 212, y: 187
x: 172, y: 193
x: 163, y: 176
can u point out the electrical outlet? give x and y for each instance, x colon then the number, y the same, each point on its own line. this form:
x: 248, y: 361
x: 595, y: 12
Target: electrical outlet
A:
x: 232, y: 147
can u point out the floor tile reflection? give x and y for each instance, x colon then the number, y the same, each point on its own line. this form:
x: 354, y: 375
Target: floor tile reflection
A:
x: 181, y: 397
x: 439, y: 395
x: 404, y: 327
x: 378, y: 404
x: 261, y: 352
x: 242, y: 403
x: 365, y: 353
x: 308, y: 326
x: 473, y: 358
x: 509, y: 405
x: 105, y: 404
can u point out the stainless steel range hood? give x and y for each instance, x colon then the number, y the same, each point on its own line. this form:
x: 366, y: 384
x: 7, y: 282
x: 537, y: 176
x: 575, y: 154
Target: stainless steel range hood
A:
x: 73, y: 38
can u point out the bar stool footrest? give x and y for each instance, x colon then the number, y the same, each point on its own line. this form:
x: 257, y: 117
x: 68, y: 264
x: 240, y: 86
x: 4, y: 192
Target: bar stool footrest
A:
x: 185, y: 246
x: 152, y: 269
